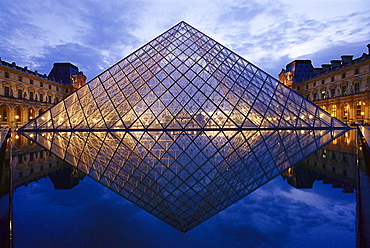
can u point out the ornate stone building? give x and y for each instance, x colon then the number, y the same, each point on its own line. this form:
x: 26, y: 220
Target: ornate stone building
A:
x: 24, y: 94
x: 342, y: 88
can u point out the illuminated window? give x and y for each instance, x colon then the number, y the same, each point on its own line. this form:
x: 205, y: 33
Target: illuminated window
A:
x: 4, y: 113
x: 345, y: 111
x: 334, y: 110
x: 18, y: 114
x: 360, y: 110
x: 31, y: 114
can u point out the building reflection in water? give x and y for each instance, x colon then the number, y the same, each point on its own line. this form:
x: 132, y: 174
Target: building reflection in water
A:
x: 31, y: 162
x: 333, y: 164
x: 183, y: 178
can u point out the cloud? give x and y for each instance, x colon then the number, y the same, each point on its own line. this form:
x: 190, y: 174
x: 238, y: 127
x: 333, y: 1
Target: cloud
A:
x: 267, y: 33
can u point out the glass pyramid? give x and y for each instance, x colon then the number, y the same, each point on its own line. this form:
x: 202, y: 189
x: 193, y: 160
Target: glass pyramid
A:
x: 183, y: 127
x: 183, y: 80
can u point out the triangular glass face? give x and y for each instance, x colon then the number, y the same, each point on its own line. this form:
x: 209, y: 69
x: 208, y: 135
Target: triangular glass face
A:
x: 183, y: 80
x: 184, y: 178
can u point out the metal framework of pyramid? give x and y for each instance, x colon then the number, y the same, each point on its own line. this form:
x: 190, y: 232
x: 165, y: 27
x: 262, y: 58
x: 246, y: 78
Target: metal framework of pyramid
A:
x: 183, y: 80
x: 183, y: 127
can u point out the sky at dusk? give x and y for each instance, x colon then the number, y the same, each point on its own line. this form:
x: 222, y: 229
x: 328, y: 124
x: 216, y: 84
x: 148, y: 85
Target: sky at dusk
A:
x: 94, y: 35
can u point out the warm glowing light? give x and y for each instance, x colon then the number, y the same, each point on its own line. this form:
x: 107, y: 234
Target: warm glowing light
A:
x: 16, y: 117
x: 17, y: 136
x: 362, y: 113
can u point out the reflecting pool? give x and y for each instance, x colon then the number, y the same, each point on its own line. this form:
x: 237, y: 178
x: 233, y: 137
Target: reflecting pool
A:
x: 310, y: 204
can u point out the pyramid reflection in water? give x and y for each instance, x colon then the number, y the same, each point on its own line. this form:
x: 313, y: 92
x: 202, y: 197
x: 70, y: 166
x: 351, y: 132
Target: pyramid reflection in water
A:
x: 184, y: 178
x: 183, y: 127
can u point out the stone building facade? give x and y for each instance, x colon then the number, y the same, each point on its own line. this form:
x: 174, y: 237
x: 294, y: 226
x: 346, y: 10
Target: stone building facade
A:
x: 342, y: 88
x: 24, y: 94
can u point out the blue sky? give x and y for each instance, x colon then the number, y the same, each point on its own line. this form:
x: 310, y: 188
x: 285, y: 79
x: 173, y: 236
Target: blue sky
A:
x: 96, y: 34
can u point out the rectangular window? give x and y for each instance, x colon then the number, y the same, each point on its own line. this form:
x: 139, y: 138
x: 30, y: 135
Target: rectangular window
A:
x: 343, y: 75
x: 332, y: 92
x: 344, y: 90
x: 19, y: 78
x: 19, y: 94
x: 31, y: 96
x: 357, y: 87
x: 314, y: 96
x: 41, y: 97
x: 57, y: 88
x: 323, y: 94
x: 66, y: 90
x: 298, y: 88
x: 49, y: 87
x: 49, y: 99
x: 332, y: 78
x: 6, y: 91
x: 323, y: 81
x: 31, y: 81
x: 41, y: 84
x: 7, y: 74
x: 307, y: 86
x: 56, y: 99
x: 314, y: 84
x: 357, y: 70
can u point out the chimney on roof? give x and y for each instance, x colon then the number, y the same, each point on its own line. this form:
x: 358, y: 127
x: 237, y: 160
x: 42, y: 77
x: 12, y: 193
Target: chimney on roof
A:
x: 368, y: 47
x: 326, y: 67
x: 335, y: 63
x: 346, y: 58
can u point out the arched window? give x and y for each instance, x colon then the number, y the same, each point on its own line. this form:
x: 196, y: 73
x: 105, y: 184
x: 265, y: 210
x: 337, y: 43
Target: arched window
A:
x: 18, y: 114
x: 360, y: 110
x: 4, y: 111
x: 334, y: 110
x: 31, y: 114
x: 345, y: 111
